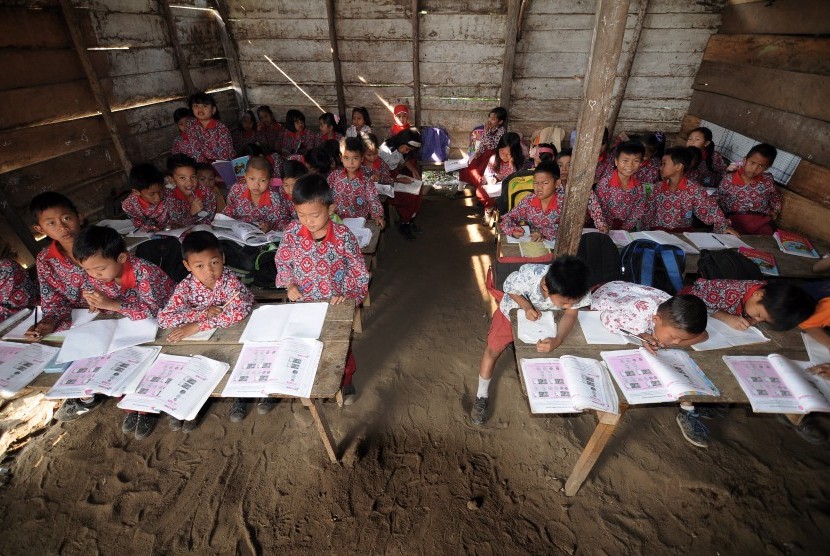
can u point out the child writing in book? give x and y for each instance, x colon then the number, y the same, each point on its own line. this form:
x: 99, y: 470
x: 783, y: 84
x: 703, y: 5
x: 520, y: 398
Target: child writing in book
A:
x: 189, y: 203
x: 621, y: 201
x: 296, y: 139
x: 210, y: 137
x: 121, y: 283
x: 206, y: 180
x: 541, y: 209
x: 745, y: 303
x: 361, y: 123
x: 255, y: 202
x: 712, y: 166
x: 354, y: 193
x: 146, y: 205
x: 395, y: 152
x: 17, y: 291
x: 676, y: 199
x: 320, y: 260
x: 748, y: 195
x: 292, y: 170
x: 183, y: 143
x: 328, y: 128
x: 660, y: 321
x: 210, y: 297
x: 561, y: 286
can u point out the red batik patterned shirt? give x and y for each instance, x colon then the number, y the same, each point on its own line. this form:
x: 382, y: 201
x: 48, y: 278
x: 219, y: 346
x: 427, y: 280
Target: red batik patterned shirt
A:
x: 61, y: 284
x: 357, y: 197
x: 16, y: 289
x: 271, y: 209
x: 179, y: 207
x: 706, y: 177
x: 649, y: 171
x: 322, y: 269
x: 618, y: 207
x: 673, y: 210
x: 143, y: 291
x: 759, y: 196
x: 728, y: 296
x: 489, y: 141
x: 210, y: 143
x: 184, y: 145
x: 191, y: 299
x: 145, y: 216
x: 298, y: 143
x: 242, y: 139
x: 627, y: 306
x: 498, y: 169
x: 605, y: 165
x: 271, y: 137
x: 530, y: 210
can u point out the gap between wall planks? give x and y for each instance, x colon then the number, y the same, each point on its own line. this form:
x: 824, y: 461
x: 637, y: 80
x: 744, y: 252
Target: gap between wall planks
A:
x: 335, y: 58
x: 511, y: 30
x: 170, y: 24
x: 609, y: 27
x: 416, y: 61
x: 642, y: 9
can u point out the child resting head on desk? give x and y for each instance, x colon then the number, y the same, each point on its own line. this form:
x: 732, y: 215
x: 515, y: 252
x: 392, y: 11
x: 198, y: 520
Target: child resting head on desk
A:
x: 561, y: 286
x: 660, y: 321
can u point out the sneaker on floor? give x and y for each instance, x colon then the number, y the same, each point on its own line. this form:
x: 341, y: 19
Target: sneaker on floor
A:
x: 406, y: 231
x: 349, y: 394
x: 479, y: 412
x: 806, y: 429
x: 145, y: 424
x: 265, y: 405
x: 693, y: 430
x: 712, y: 410
x: 239, y: 410
x: 174, y: 424
x: 130, y: 420
x: 74, y: 408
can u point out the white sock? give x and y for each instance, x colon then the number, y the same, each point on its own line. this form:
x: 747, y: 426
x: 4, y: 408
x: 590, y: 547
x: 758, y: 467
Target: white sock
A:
x: 687, y: 406
x: 483, y: 386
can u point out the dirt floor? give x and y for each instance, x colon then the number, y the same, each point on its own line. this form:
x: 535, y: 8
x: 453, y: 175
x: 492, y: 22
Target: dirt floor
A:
x: 417, y: 477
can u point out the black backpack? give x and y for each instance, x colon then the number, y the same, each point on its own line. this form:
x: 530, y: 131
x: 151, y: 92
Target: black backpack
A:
x: 239, y: 257
x: 165, y: 253
x: 265, y: 271
x: 652, y: 264
x: 726, y: 264
x: 602, y: 257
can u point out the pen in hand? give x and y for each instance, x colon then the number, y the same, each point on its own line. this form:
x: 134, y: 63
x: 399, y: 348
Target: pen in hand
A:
x: 639, y: 338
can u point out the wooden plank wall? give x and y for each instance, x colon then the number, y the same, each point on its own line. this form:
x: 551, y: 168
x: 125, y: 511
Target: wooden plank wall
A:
x: 51, y: 134
x: 766, y: 75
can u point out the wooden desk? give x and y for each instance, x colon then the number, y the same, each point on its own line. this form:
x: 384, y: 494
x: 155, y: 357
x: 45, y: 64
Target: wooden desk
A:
x: 710, y: 361
x: 224, y: 346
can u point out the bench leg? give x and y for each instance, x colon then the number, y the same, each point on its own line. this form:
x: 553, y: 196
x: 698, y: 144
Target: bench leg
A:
x: 367, y: 301
x: 358, y: 322
x: 596, y: 444
x: 322, y: 427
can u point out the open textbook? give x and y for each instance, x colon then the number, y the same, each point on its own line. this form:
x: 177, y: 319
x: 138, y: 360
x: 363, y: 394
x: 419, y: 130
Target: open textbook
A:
x: 531, y: 331
x: 568, y: 384
x: 231, y: 170
x: 175, y: 384
x: 287, y: 367
x: 225, y: 227
x: 647, y: 378
x: 104, y: 336
x: 385, y: 189
x: 714, y: 242
x: 107, y: 374
x: 79, y: 317
x: 775, y: 384
x: 413, y: 187
x: 269, y: 323
x: 721, y: 336
x: 20, y: 364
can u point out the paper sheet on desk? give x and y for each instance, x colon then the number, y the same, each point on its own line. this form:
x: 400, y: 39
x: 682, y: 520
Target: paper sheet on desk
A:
x: 721, y: 336
x: 595, y: 332
x: 816, y: 352
x: 270, y: 323
x: 531, y: 332
x: 101, y: 337
x: 79, y: 317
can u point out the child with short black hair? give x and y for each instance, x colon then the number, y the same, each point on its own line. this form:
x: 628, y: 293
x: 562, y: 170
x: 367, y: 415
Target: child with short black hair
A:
x: 319, y: 259
x: 712, y: 166
x: 211, y: 138
x: 655, y: 145
x: 183, y: 143
x: 255, y: 202
x: 748, y: 195
x: 292, y: 170
x: 17, y: 291
x: 744, y: 303
x: 661, y: 321
x: 541, y: 209
x: 543, y: 152
x: 561, y: 286
x: 676, y: 199
x: 122, y: 283
x: 373, y: 164
x: 320, y: 161
x: 206, y: 179
x: 189, y: 203
x: 210, y: 297
x: 354, y: 193
x: 621, y: 200
x: 146, y: 204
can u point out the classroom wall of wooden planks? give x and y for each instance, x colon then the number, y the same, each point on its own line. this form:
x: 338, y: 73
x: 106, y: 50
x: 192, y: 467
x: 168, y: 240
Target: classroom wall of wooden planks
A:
x: 767, y: 75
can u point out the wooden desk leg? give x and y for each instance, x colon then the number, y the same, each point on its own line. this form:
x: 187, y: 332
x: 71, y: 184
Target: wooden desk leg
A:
x: 358, y: 322
x: 596, y: 444
x: 367, y: 301
x: 795, y: 419
x: 322, y: 427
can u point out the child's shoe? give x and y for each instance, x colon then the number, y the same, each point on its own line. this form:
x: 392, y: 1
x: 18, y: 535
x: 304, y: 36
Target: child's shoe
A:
x: 806, y: 429
x: 72, y: 408
x: 239, y: 410
x: 479, y: 412
x: 130, y: 421
x: 145, y: 424
x: 265, y: 405
x: 693, y: 430
x: 349, y: 394
x: 712, y: 410
x: 174, y: 424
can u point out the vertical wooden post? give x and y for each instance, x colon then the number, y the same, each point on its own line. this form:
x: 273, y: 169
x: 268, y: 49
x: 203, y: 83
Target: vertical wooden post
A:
x: 416, y: 61
x: 335, y: 58
x: 167, y: 14
x: 510, y: 31
x: 609, y: 28
x: 222, y: 14
x: 642, y: 9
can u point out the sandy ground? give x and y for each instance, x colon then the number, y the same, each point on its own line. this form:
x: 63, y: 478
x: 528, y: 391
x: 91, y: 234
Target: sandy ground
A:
x: 412, y: 462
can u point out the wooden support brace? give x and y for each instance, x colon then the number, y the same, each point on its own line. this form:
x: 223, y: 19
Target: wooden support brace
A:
x: 510, y: 32
x: 596, y: 444
x: 335, y: 58
x: 231, y: 55
x: 322, y: 425
x: 181, y: 59
x: 642, y: 9
x: 94, y: 83
x: 609, y: 27
x: 416, y: 61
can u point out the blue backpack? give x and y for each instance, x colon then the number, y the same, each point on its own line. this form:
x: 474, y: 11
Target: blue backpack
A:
x: 435, y: 144
x: 649, y: 263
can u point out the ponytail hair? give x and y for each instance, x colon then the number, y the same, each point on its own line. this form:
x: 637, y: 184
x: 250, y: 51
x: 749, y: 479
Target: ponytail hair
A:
x: 709, y: 149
